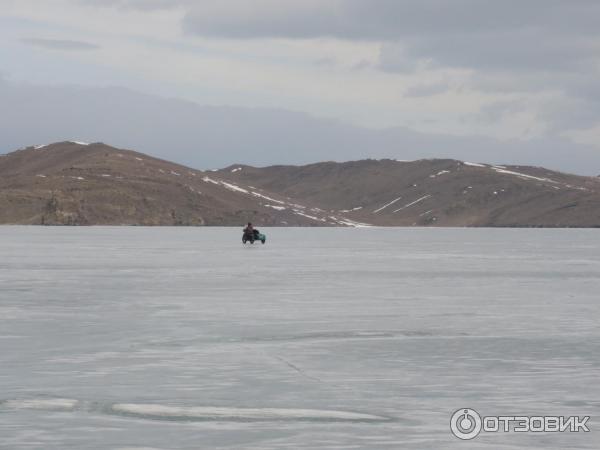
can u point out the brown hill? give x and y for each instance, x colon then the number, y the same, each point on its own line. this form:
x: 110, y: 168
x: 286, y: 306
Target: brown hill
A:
x: 80, y: 184
x: 71, y: 183
x: 434, y: 192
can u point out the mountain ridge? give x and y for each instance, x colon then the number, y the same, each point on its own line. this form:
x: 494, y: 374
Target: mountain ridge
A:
x: 456, y: 193
x: 75, y: 183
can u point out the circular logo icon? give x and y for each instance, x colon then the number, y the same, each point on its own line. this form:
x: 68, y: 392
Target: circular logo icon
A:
x: 465, y: 424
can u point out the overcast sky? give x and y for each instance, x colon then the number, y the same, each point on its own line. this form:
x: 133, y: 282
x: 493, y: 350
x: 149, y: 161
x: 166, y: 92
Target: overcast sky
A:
x: 499, y: 81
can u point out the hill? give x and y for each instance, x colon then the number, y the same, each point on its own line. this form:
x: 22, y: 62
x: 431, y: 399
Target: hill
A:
x: 75, y: 183
x: 439, y: 192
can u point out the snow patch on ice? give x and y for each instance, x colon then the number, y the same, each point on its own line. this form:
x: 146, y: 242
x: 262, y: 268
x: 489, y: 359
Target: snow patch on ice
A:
x: 64, y: 404
x: 138, y: 448
x: 223, y: 413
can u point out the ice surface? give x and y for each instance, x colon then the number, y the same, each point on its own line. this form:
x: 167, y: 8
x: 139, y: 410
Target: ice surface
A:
x: 369, y: 338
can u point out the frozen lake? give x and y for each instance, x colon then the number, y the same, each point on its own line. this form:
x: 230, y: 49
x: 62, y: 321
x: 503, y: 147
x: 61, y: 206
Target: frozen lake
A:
x: 183, y: 338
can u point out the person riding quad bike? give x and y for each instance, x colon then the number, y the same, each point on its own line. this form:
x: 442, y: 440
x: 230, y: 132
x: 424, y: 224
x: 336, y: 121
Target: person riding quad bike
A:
x: 250, y: 233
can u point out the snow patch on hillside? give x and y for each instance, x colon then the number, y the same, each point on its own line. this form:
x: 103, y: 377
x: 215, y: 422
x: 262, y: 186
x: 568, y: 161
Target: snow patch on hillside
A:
x: 233, y: 187
x: 524, y: 175
x: 441, y: 172
x: 386, y: 205
x: 419, y: 200
x: 257, y: 194
x: 209, y: 180
x: 358, y: 208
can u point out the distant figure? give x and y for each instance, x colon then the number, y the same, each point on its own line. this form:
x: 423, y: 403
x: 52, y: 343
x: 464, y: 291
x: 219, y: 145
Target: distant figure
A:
x: 250, y: 232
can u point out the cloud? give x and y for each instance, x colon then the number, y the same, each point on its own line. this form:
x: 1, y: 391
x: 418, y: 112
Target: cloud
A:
x: 510, y: 45
x: 262, y: 18
x: 386, y: 19
x: 60, y: 44
x: 512, y: 68
x: 144, y: 5
x: 426, y: 90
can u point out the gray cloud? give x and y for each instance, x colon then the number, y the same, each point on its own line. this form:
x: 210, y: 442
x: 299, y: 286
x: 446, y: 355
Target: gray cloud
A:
x: 511, y: 45
x: 137, y: 4
x: 514, y: 50
x: 387, y: 19
x: 206, y: 137
x: 544, y: 53
x: 59, y: 44
x: 515, y: 45
x: 495, y: 111
x: 427, y: 90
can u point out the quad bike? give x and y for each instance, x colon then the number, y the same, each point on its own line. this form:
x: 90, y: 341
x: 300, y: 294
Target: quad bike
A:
x: 251, y: 237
